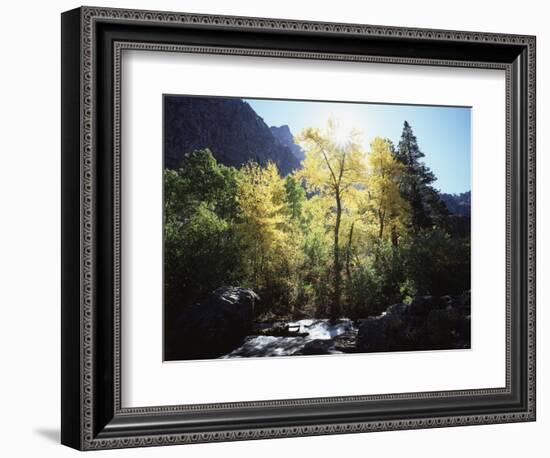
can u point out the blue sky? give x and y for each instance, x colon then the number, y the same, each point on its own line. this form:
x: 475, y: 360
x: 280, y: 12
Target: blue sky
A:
x: 443, y: 133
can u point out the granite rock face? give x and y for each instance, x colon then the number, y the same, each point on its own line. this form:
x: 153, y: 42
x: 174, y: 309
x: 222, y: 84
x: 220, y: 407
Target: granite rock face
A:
x: 229, y: 127
x: 283, y: 135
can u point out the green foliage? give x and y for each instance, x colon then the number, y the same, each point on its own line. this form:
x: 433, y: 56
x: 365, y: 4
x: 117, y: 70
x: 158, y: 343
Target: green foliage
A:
x: 377, y: 281
x: 201, y: 251
x: 295, y: 198
x: 438, y: 263
x: 350, y: 233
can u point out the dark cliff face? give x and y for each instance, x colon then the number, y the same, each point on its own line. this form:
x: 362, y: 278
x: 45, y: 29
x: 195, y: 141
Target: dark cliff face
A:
x: 283, y: 135
x: 230, y: 128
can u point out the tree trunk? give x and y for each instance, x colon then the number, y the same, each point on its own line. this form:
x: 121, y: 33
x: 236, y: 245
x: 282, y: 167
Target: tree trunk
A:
x: 381, y: 218
x: 394, y: 236
x: 415, y: 207
x: 335, y: 309
x: 348, y: 252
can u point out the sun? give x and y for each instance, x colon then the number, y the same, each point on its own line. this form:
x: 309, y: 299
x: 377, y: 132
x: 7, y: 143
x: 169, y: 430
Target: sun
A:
x: 345, y: 126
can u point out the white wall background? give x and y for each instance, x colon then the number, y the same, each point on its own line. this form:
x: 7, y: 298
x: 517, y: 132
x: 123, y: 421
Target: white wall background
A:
x: 30, y: 215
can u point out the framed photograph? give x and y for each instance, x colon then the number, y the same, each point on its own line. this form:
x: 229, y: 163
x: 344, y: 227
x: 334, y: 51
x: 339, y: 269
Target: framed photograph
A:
x: 276, y: 228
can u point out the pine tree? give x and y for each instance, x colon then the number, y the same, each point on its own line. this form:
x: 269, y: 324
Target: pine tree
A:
x: 427, y: 209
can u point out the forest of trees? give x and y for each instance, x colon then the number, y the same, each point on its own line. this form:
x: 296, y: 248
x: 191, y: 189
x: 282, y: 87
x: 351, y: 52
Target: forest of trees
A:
x: 348, y: 234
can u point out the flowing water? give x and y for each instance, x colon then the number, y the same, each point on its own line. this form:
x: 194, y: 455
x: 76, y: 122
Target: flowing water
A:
x: 306, y: 331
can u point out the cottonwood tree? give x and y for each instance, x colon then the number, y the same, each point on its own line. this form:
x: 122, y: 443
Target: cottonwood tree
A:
x: 333, y: 168
x: 261, y: 200
x: 384, y: 200
x: 378, y: 212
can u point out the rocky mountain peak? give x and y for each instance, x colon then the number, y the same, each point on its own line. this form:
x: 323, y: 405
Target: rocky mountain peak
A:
x: 229, y: 127
x: 284, y: 136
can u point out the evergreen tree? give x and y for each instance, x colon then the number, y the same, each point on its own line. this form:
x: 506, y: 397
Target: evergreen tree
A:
x: 427, y: 209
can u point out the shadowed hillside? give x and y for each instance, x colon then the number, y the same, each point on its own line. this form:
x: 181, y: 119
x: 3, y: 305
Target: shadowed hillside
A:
x: 230, y: 128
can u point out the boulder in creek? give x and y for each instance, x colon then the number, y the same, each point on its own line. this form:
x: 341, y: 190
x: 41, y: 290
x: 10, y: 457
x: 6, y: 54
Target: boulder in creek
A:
x: 346, y: 342
x: 316, y: 347
x: 428, y: 323
x: 214, y: 326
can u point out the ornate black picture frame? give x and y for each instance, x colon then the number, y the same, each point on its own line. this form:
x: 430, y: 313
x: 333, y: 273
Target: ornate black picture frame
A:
x: 92, y: 42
